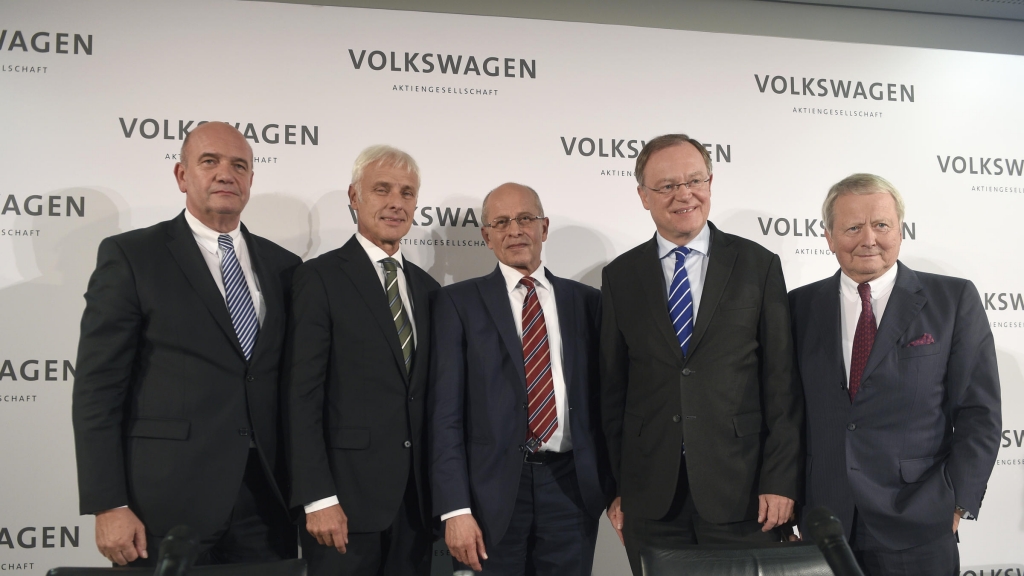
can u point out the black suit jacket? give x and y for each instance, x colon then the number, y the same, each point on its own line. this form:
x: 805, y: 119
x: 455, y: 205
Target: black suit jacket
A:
x: 733, y: 399
x: 164, y: 401
x: 355, y: 416
x: 921, y: 436
x: 478, y: 402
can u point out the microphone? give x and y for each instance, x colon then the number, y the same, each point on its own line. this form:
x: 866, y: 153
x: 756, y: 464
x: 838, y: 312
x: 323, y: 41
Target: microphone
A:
x: 177, y: 552
x: 825, y: 530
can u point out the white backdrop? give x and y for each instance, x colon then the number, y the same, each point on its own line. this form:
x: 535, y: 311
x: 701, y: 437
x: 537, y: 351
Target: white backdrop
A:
x: 92, y: 106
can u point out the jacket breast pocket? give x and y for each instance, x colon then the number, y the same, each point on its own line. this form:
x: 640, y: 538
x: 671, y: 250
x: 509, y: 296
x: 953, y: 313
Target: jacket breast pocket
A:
x: 350, y: 438
x: 161, y: 428
x: 741, y: 312
x: 918, y: 351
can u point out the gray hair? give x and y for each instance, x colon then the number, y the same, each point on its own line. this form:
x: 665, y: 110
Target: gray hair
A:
x: 385, y: 155
x: 536, y: 198
x: 860, y: 184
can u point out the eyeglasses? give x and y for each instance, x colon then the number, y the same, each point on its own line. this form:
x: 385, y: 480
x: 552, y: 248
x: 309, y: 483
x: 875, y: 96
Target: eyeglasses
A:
x: 501, y: 224
x: 695, y: 184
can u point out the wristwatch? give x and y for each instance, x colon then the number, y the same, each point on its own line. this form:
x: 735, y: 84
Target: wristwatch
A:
x: 964, y: 513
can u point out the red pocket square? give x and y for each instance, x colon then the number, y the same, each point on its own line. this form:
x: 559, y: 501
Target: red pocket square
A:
x: 923, y: 340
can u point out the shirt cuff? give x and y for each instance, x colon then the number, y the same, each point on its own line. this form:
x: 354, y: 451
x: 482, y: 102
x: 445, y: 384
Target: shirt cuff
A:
x: 454, y: 513
x: 321, y: 504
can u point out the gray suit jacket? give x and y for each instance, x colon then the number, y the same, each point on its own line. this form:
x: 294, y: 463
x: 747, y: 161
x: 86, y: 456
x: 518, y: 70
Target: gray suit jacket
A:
x: 922, y: 434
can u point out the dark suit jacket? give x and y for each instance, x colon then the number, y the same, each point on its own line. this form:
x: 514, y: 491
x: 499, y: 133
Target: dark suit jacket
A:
x: 355, y: 416
x: 164, y: 400
x: 478, y: 402
x: 733, y: 399
x: 922, y: 434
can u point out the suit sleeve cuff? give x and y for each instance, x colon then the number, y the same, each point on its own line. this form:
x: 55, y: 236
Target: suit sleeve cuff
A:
x: 321, y: 504
x: 454, y: 513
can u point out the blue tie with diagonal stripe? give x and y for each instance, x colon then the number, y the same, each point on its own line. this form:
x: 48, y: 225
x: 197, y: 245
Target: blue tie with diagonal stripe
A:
x: 236, y: 291
x: 680, y: 301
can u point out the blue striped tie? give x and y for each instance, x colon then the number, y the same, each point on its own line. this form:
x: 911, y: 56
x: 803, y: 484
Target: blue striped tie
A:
x: 680, y: 301
x: 243, y: 314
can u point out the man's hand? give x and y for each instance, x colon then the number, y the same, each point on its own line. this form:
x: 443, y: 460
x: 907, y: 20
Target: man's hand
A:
x: 616, y: 517
x: 957, y: 515
x: 120, y: 536
x: 465, y: 540
x: 329, y: 526
x: 774, y: 511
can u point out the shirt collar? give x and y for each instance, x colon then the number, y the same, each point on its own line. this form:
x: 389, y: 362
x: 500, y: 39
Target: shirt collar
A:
x: 879, y: 286
x: 208, y: 237
x: 376, y: 253
x: 513, y: 276
x: 699, y: 243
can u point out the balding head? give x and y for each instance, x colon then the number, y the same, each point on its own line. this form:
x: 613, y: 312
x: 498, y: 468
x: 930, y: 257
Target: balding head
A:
x: 514, y: 226
x: 222, y: 127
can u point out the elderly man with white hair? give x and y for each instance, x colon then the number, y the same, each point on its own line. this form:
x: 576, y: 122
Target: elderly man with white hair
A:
x: 901, y: 389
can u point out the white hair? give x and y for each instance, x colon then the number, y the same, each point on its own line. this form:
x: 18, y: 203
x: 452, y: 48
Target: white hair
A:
x: 385, y: 155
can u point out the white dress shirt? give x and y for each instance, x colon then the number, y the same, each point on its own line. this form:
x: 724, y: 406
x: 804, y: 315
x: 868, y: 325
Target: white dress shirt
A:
x: 377, y: 255
x: 696, y: 264
x: 207, y: 238
x: 849, y: 298
x: 561, y: 440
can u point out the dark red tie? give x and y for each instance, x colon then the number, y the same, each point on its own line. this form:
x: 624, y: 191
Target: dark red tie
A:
x: 540, y: 387
x: 863, y: 340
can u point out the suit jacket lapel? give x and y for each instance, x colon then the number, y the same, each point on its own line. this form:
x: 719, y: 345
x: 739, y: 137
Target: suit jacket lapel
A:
x: 565, y: 301
x: 185, y: 251
x: 721, y: 259
x: 421, y: 313
x: 360, y: 270
x: 495, y: 297
x: 652, y: 279
x: 828, y: 335
x: 905, y: 303
x: 269, y: 292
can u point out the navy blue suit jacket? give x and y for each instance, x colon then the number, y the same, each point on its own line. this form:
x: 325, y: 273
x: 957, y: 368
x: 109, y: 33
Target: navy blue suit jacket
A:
x: 921, y: 436
x: 477, y: 406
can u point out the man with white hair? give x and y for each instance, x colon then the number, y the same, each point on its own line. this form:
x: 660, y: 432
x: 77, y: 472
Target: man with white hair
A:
x: 901, y: 388
x: 357, y: 363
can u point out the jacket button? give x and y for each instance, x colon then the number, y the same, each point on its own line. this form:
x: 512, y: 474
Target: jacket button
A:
x: 250, y: 378
x: 411, y: 398
x: 243, y: 431
x: 676, y: 418
x: 851, y: 426
x: 408, y: 444
x: 687, y: 371
x: 525, y: 406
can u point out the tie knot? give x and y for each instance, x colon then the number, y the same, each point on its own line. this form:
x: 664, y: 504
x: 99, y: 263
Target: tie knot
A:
x: 390, y: 264
x: 865, y: 292
x: 683, y: 250
x: 225, y: 243
x: 529, y: 282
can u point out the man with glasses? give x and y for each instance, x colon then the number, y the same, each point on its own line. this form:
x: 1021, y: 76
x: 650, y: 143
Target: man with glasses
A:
x: 518, y: 464
x: 699, y: 405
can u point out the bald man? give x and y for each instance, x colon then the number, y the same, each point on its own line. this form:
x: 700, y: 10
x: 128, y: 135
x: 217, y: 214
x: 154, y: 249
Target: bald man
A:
x: 175, y: 402
x: 519, y: 468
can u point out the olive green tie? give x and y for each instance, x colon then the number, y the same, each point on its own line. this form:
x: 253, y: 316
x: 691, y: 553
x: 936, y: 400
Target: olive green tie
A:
x: 398, y: 313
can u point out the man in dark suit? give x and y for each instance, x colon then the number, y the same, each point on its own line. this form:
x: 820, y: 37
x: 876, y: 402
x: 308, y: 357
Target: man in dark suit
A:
x: 357, y: 381
x: 175, y: 403
x: 902, y: 390
x: 518, y: 463
x: 700, y: 409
